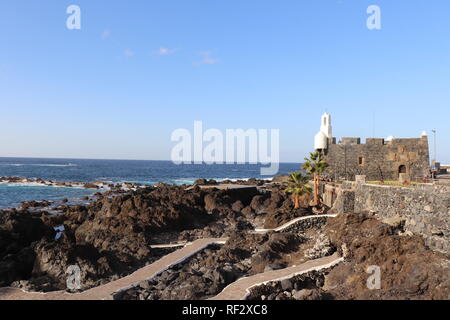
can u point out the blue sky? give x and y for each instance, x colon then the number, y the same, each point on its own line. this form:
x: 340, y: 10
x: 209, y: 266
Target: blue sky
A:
x: 137, y: 70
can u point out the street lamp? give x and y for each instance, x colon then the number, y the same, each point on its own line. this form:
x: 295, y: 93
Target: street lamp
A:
x: 435, y: 146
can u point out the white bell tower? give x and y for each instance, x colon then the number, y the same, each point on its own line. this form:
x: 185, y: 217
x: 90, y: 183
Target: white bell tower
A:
x: 326, y: 127
x: 325, y: 133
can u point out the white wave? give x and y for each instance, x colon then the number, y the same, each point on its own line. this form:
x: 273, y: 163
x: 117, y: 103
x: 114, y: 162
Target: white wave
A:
x: 184, y: 181
x: 48, y: 185
x: 38, y: 165
x: 23, y: 184
x: 105, y: 180
x: 54, y: 165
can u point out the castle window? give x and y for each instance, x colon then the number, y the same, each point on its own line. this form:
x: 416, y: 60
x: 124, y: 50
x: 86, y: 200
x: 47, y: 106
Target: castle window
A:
x: 402, y: 169
x: 361, y: 161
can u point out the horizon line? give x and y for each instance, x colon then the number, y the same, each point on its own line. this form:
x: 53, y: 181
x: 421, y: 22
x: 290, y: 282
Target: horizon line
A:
x: 116, y: 159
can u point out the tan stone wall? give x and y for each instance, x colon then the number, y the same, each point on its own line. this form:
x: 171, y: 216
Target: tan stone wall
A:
x: 377, y: 159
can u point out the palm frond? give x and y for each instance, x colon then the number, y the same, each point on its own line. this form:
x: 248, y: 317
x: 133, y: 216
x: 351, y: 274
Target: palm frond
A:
x: 298, y: 184
x: 315, y: 164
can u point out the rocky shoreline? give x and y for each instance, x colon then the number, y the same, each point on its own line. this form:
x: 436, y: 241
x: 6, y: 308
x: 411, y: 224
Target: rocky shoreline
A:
x: 103, y: 189
x: 51, y: 183
x: 112, y: 236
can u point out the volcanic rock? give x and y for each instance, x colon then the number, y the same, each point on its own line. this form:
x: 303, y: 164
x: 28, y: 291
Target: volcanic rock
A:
x: 18, y: 230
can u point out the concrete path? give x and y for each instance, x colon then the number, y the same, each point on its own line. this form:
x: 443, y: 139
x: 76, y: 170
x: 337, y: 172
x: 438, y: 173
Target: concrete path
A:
x: 240, y: 289
x: 107, y: 291
x: 168, y: 246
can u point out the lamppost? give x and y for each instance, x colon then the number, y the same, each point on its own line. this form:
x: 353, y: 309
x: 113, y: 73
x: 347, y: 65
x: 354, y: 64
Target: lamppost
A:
x: 345, y: 161
x: 435, y: 147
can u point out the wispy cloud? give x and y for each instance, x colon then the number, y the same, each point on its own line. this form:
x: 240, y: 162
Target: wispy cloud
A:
x: 206, y: 59
x: 105, y: 34
x: 128, y: 53
x: 165, y: 51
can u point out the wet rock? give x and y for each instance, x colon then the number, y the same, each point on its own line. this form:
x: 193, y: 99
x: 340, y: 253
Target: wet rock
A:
x: 35, y: 204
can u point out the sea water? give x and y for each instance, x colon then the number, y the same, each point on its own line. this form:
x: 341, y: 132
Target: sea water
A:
x: 110, y: 171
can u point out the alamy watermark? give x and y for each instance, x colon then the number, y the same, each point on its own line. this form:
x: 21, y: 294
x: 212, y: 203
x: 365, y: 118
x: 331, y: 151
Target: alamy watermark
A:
x: 73, y: 22
x: 374, y: 19
x: 239, y: 146
x: 73, y: 281
x: 374, y: 281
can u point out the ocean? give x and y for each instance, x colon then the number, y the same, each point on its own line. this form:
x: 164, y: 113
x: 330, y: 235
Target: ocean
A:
x: 111, y: 171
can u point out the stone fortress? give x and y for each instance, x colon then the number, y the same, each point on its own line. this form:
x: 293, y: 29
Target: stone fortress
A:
x: 377, y: 159
x: 355, y: 169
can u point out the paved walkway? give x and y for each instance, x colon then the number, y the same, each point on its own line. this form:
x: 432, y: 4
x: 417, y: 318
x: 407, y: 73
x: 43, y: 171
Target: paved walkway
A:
x: 240, y: 289
x: 168, y: 246
x: 107, y: 291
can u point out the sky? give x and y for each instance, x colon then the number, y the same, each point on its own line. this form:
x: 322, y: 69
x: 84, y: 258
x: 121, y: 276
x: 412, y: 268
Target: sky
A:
x: 138, y: 70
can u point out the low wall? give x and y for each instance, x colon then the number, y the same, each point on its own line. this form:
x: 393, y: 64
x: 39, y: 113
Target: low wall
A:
x: 315, y: 222
x: 344, y: 202
x: 301, y: 224
x: 329, y: 194
x: 425, y: 208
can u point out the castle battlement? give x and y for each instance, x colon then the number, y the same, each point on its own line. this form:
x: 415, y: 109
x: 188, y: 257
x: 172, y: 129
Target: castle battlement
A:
x: 377, y: 158
x: 374, y: 141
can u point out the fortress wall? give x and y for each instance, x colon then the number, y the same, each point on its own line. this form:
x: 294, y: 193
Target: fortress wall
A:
x: 378, y: 159
x: 425, y: 208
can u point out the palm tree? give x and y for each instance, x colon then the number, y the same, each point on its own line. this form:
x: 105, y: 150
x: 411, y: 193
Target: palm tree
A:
x: 298, y: 185
x: 315, y: 166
